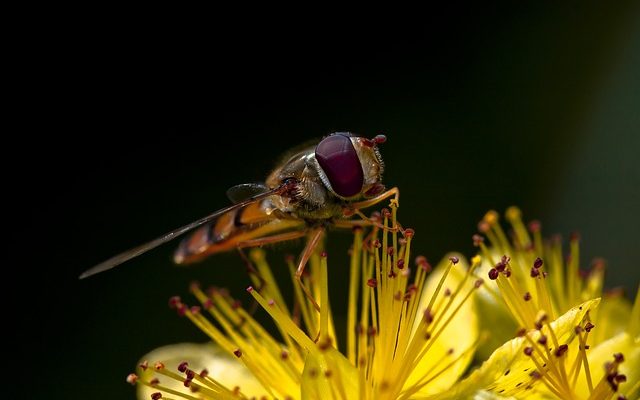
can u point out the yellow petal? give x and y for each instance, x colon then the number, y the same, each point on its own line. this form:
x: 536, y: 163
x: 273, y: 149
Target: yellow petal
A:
x: 602, y: 353
x: 612, y: 317
x: 218, y: 363
x: 507, y: 371
x: 460, y: 334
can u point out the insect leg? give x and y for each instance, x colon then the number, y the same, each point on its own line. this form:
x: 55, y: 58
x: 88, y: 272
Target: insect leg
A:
x: 312, y: 243
x: 375, y: 200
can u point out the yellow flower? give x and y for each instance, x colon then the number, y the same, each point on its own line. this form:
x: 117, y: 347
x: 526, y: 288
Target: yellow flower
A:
x: 409, y: 334
x: 531, y: 282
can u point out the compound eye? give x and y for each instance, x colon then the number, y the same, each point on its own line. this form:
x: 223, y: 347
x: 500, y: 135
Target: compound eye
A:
x: 339, y: 161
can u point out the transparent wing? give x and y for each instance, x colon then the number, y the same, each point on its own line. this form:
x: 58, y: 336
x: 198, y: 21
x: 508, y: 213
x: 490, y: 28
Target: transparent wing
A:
x: 136, y: 251
x: 245, y: 191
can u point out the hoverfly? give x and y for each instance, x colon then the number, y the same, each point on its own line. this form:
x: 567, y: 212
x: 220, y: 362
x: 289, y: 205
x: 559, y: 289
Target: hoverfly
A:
x: 320, y: 186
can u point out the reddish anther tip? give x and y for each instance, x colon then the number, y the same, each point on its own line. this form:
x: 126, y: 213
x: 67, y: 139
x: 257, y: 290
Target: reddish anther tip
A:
x: 542, y: 339
x: 535, y: 226
x: 158, y: 366
x: 478, y: 283
x: 534, y: 272
x: 561, y: 350
x: 409, y: 233
x: 377, y: 244
x: 477, y: 239
x: 493, y: 274
x: 156, y: 396
x: 527, y: 296
x: 400, y: 264
x: 289, y: 258
x: 207, y: 304
x: 324, y: 254
x: 454, y: 260
x: 619, y: 357
x: 132, y: 379
x: 538, y: 263
x: 390, y: 250
x: 271, y: 302
x: 174, y: 301
x: 181, y: 310
x: 574, y: 236
x: 250, y: 289
x: 428, y: 316
x: 483, y: 226
x: 237, y: 353
x: 195, y: 285
x: 528, y: 350
x: 182, y: 367
x: 144, y: 365
x: 195, y: 310
x: 372, y: 282
x: 190, y: 374
x: 356, y: 229
x: 385, y: 213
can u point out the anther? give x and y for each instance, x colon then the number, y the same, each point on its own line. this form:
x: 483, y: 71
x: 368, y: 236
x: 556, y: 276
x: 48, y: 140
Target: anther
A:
x: 158, y: 366
x: 409, y: 233
x: 237, y: 353
x: 182, y: 367
x: 535, y: 226
x: 156, y: 396
x: 390, y: 250
x: 618, y: 357
x: 478, y: 283
x: 537, y: 263
x: 154, y: 382
x: 589, y: 326
x: 483, y: 227
x: 528, y: 350
x: 385, y: 213
x: 527, y: 296
x: 132, y: 379
x: 454, y: 260
x: 534, y: 272
x: 561, y: 350
x: 371, y: 282
x: 195, y: 310
x: 174, y: 301
x: 144, y: 365
x: 542, y: 340
x: 204, y: 373
x: 400, y: 264
x: 493, y: 274
x: 250, y: 289
x: 181, y: 309
x: 324, y: 254
x: 477, y: 239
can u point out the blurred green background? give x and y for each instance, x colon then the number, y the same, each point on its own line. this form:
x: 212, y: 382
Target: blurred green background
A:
x: 484, y: 108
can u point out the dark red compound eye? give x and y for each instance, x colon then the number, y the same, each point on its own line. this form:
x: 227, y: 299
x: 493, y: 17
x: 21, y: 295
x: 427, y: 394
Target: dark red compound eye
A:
x: 339, y: 161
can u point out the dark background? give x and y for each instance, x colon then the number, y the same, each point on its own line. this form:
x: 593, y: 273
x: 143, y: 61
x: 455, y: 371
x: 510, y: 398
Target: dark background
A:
x: 148, y: 126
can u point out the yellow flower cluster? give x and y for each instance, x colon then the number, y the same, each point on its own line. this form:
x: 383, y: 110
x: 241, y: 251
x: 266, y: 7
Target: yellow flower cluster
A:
x: 542, y: 329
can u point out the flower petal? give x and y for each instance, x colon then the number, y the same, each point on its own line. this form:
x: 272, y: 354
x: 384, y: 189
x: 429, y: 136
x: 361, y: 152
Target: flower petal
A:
x: 219, y: 364
x: 507, y: 371
x: 459, y: 335
x: 603, y: 353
